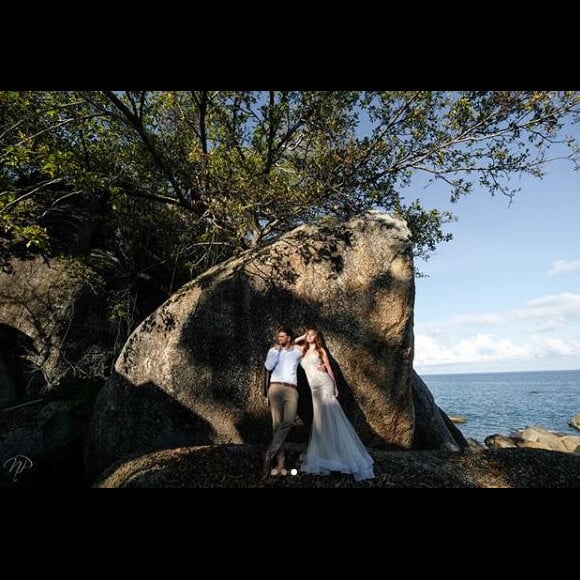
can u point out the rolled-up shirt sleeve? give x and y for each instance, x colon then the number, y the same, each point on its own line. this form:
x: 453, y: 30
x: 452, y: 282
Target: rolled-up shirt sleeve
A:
x: 272, y: 358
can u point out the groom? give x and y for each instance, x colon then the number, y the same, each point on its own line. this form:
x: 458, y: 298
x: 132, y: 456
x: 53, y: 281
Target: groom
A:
x: 283, y: 360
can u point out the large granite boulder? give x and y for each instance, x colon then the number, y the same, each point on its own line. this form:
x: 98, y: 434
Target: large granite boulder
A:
x: 434, y: 429
x: 190, y: 373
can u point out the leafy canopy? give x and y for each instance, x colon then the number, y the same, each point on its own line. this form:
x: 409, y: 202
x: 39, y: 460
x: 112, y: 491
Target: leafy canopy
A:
x: 237, y: 168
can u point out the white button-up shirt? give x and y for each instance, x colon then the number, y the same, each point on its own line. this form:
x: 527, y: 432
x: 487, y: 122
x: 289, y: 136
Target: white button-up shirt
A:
x: 283, y: 364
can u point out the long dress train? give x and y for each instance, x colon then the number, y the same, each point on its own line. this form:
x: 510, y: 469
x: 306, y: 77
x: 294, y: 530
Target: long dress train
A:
x: 333, y: 444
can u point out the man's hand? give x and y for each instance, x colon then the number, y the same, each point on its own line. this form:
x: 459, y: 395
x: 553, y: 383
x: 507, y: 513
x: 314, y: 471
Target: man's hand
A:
x: 322, y: 368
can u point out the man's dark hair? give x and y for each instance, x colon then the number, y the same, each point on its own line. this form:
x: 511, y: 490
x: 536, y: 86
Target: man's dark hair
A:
x: 285, y: 329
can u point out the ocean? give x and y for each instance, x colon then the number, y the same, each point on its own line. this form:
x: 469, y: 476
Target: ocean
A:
x: 503, y: 402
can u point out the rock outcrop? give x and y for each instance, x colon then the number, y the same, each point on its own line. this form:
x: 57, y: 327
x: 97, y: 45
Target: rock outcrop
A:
x: 190, y: 373
x: 236, y: 466
x: 51, y: 323
x: 433, y: 427
x: 535, y: 437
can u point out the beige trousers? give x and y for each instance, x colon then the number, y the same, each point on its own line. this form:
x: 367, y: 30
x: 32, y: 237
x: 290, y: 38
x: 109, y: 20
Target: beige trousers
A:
x: 283, y: 406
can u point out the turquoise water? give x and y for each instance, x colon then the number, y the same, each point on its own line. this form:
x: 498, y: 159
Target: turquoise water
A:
x: 502, y: 402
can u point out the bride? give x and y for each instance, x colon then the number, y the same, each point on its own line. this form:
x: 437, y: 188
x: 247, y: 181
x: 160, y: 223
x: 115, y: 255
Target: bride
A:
x: 333, y: 444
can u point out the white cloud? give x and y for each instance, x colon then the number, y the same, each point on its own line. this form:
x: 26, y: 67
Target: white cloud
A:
x: 555, y: 308
x: 547, y: 312
x: 535, y: 336
x: 557, y: 347
x: 563, y: 267
x: 482, y: 348
x: 545, y: 325
x: 429, y: 350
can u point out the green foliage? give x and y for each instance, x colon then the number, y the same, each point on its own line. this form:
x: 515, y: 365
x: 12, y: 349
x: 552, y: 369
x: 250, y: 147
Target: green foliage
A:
x: 175, y: 182
x: 198, y: 176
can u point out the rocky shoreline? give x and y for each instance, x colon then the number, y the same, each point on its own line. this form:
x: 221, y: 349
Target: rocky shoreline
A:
x: 535, y: 437
x: 532, y: 436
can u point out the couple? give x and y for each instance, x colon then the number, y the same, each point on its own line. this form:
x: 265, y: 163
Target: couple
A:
x: 333, y: 443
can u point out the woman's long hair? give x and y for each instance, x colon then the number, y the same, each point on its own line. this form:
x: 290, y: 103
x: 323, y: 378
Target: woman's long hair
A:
x: 319, y: 343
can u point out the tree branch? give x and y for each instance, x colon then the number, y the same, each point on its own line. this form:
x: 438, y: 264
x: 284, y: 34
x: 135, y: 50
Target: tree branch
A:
x: 56, y: 126
x: 54, y: 203
x: 32, y: 192
x: 271, y: 132
x: 132, y: 190
x: 134, y: 122
x: 42, y: 111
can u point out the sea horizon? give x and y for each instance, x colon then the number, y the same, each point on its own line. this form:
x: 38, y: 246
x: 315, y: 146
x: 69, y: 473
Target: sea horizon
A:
x: 501, y: 402
x: 433, y: 374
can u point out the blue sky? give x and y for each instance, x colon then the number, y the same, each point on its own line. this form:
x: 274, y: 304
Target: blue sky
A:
x: 504, y: 294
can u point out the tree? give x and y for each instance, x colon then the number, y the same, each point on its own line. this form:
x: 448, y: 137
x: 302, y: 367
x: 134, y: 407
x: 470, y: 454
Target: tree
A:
x: 241, y: 167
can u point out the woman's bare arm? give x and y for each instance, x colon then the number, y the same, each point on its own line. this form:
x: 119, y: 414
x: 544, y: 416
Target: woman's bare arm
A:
x: 300, y: 338
x: 326, y: 363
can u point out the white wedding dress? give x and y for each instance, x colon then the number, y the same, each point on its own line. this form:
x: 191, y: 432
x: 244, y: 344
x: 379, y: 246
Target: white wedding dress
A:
x: 333, y: 444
